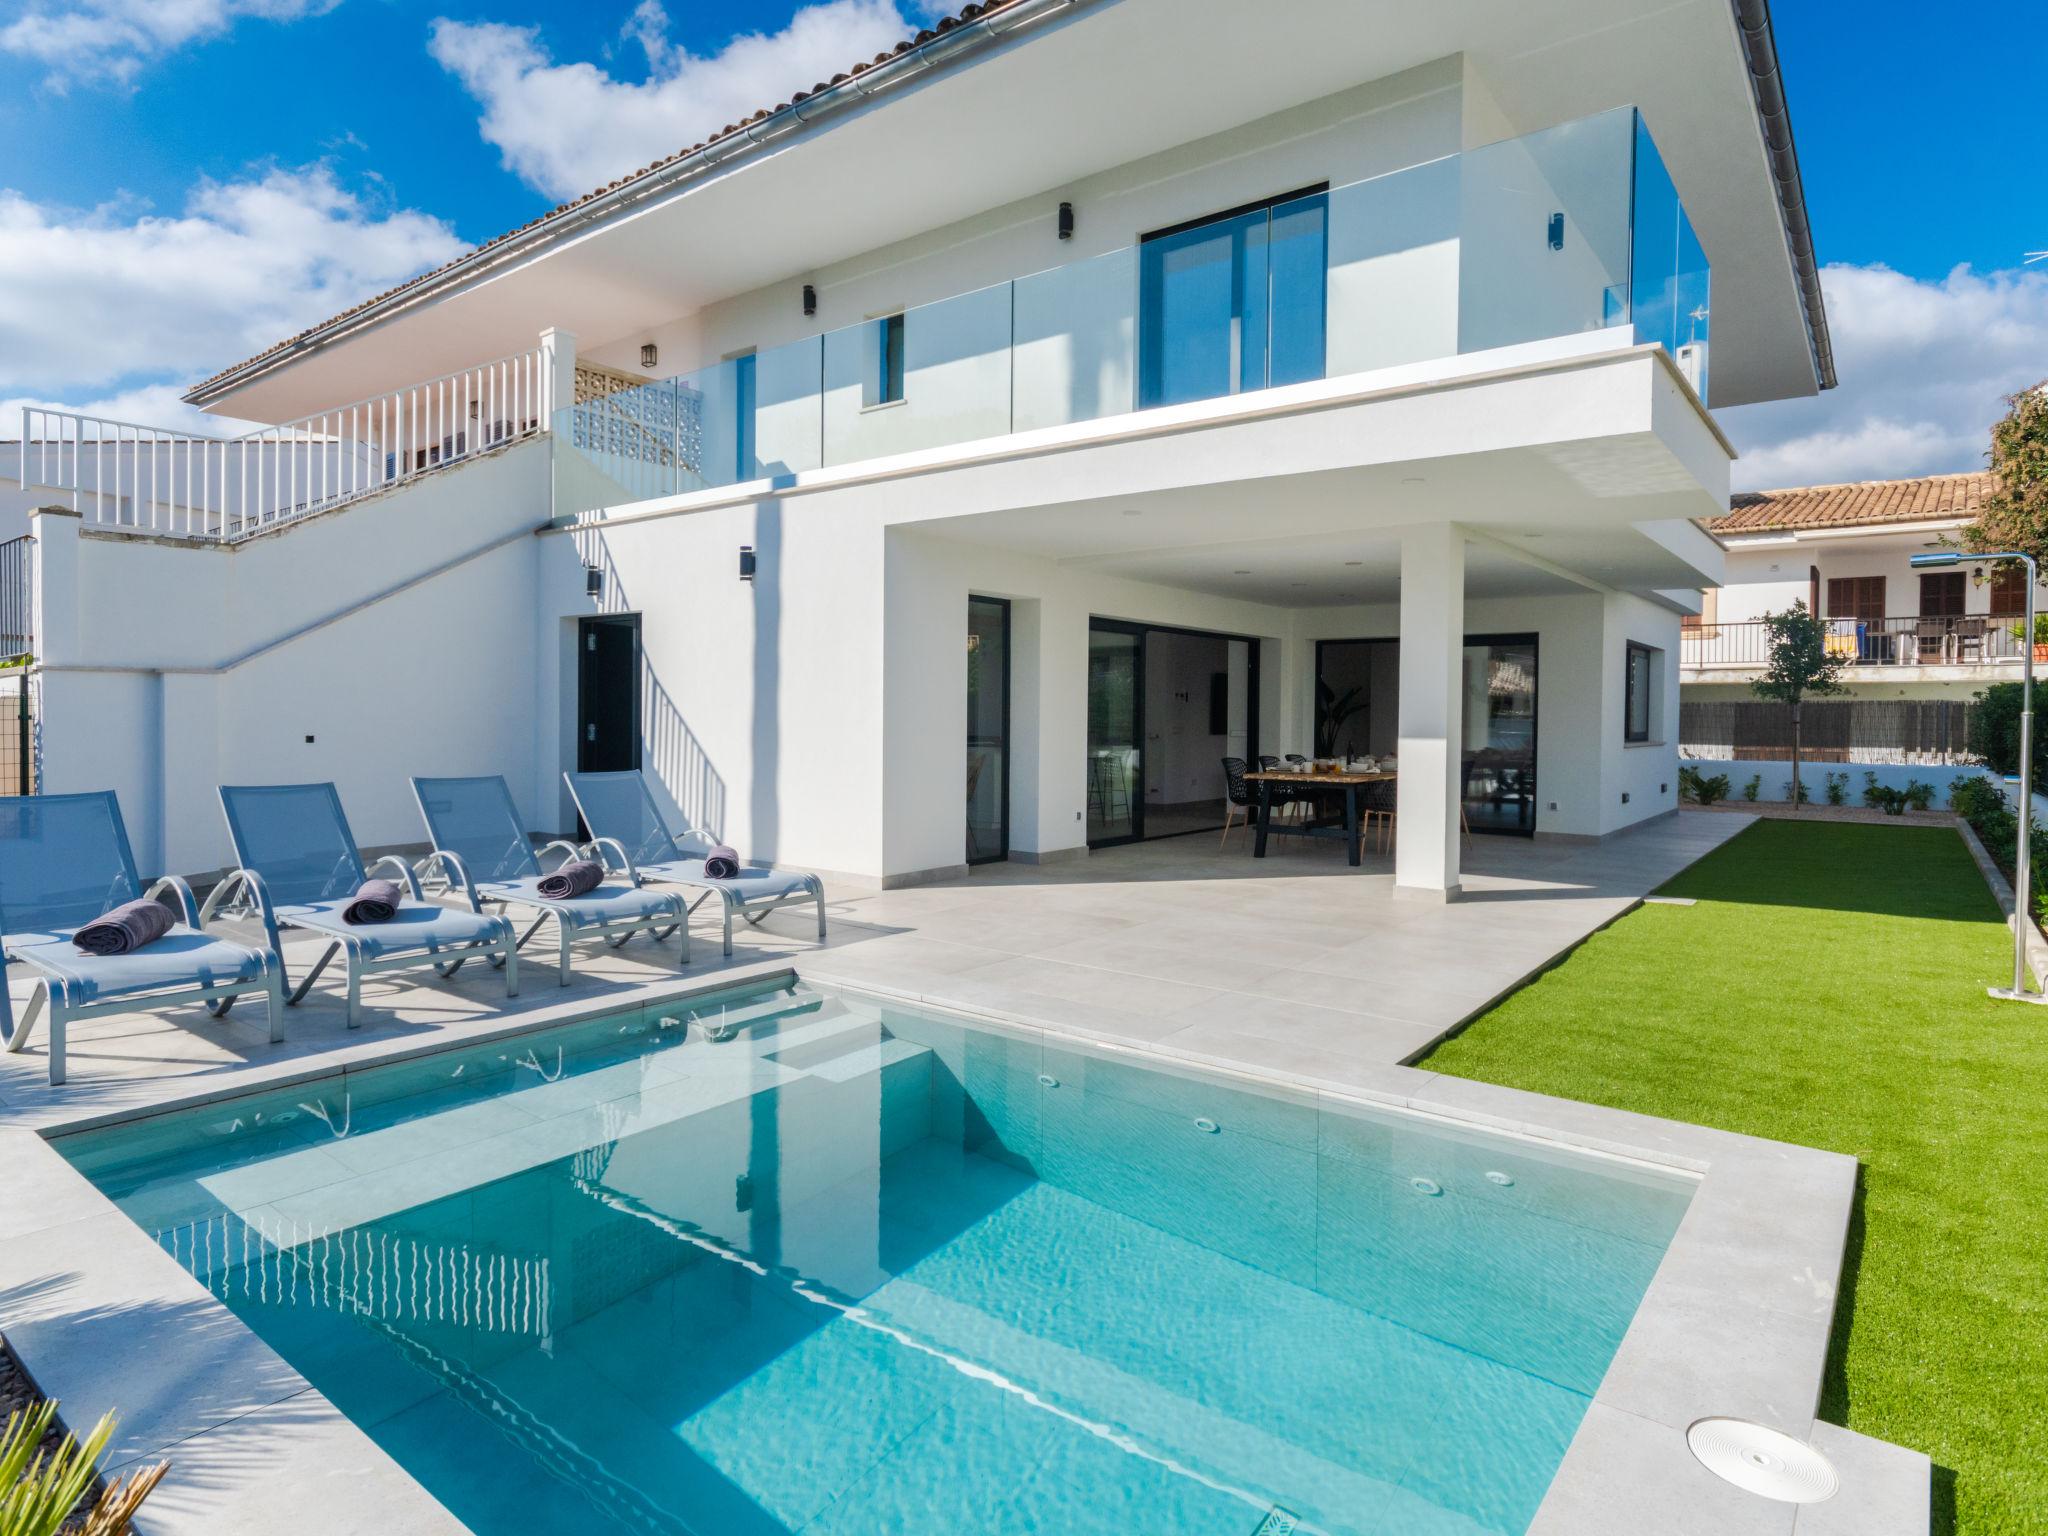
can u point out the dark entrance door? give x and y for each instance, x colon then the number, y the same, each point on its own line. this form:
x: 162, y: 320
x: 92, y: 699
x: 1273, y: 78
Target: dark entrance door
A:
x: 608, y: 694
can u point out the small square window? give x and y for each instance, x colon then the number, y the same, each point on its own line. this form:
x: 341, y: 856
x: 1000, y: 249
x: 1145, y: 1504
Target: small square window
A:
x: 1639, y: 705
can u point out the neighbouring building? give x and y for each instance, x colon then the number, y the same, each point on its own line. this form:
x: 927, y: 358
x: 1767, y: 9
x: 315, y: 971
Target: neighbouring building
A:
x: 959, y: 459
x: 1917, y: 645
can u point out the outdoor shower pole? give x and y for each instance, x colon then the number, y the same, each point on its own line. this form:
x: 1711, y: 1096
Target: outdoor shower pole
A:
x: 2022, y: 859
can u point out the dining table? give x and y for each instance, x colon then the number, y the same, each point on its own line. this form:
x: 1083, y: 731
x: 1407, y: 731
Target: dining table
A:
x: 1297, y: 780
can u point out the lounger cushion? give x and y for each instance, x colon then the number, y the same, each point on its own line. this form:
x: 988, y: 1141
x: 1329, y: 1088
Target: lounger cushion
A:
x: 749, y: 885
x: 607, y: 904
x: 184, y: 957
x: 417, y: 926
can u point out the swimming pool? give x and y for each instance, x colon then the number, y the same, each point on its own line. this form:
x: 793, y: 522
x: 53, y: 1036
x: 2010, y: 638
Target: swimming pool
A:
x: 796, y: 1260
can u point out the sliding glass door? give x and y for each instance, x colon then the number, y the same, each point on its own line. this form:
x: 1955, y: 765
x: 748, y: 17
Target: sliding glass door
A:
x: 988, y: 729
x: 1234, y: 302
x: 1500, y: 733
x: 1116, y: 732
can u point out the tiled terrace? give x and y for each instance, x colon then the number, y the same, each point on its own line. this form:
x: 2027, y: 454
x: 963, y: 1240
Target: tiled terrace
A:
x: 1295, y: 964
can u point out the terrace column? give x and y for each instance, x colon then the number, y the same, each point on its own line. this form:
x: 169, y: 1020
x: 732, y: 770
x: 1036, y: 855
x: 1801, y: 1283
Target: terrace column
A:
x: 558, y: 369
x: 1429, y: 782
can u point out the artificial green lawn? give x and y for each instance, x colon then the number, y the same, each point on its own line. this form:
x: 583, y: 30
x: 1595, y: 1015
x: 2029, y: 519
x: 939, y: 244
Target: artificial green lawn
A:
x: 1828, y: 989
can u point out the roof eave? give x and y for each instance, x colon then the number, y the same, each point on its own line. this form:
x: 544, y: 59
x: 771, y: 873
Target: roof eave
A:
x: 945, y: 48
x: 1774, y: 117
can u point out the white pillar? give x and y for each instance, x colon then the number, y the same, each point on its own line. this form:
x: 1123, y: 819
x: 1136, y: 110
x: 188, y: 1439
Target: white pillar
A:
x: 558, y: 372
x: 1432, y: 727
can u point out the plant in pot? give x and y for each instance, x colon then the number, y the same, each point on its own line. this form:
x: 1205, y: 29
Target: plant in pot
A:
x: 2018, y: 631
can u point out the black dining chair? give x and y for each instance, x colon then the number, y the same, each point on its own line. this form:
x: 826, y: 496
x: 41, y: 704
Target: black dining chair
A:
x: 1238, y: 794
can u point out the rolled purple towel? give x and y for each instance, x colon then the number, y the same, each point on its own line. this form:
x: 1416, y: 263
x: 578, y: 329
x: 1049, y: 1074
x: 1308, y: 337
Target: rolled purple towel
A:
x: 721, y: 863
x: 125, y: 929
x: 574, y: 878
x: 376, y: 902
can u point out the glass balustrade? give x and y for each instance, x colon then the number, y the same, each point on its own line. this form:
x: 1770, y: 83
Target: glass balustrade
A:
x: 1577, y: 228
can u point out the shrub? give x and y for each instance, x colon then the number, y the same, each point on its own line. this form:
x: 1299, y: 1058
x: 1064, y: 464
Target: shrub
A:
x: 1695, y: 786
x: 1995, y: 733
x: 1838, y: 789
x: 1918, y: 795
x: 1796, y: 792
x: 38, y: 1493
x: 1749, y: 790
x: 1970, y: 796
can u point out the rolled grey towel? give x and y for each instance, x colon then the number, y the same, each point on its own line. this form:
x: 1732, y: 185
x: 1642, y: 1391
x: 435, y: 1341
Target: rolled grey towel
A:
x: 721, y: 863
x: 572, y: 879
x: 125, y: 929
x: 376, y: 902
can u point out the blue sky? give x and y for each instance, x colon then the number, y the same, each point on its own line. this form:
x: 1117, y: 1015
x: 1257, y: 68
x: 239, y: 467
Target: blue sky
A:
x: 258, y: 164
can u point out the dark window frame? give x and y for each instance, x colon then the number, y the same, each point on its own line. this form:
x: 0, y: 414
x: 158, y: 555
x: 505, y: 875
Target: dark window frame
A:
x: 1630, y: 736
x: 889, y: 360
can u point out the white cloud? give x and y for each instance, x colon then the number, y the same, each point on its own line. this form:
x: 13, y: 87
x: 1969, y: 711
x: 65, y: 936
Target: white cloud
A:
x: 110, y: 40
x: 567, y: 128
x: 132, y: 305
x: 1924, y: 366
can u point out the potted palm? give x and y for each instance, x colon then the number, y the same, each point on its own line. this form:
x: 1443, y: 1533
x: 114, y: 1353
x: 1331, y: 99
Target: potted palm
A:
x: 2019, y: 632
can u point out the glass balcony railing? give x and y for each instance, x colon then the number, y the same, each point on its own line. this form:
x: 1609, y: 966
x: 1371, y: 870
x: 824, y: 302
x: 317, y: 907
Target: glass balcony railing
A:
x: 1577, y: 228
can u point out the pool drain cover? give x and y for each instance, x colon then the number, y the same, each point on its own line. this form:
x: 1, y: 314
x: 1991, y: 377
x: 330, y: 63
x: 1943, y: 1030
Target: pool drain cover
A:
x: 1763, y: 1461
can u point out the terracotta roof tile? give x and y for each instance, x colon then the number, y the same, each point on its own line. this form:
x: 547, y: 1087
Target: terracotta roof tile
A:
x: 966, y: 14
x: 1931, y: 498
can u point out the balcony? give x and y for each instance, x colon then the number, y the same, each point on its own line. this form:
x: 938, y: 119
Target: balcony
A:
x: 1572, y: 230
x: 1922, y: 644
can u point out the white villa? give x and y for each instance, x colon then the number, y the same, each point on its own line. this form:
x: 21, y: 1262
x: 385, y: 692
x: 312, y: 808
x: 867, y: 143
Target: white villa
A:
x: 960, y: 460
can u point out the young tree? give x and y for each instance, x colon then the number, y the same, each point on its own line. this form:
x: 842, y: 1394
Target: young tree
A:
x: 2015, y: 514
x: 1798, y: 665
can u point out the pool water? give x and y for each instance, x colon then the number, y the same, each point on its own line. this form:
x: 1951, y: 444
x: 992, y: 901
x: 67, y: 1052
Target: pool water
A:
x: 794, y: 1260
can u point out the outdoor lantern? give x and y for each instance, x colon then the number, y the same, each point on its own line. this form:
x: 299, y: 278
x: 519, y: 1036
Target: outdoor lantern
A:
x: 746, y: 562
x: 1066, y: 221
x: 810, y: 300
x: 593, y: 581
x: 648, y: 354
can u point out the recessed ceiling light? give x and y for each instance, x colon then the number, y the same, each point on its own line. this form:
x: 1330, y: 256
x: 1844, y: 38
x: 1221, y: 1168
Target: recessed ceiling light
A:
x: 1354, y: 562
x: 1297, y: 583
x: 1532, y: 535
x: 1133, y: 512
x: 1415, y: 480
x: 1240, y: 573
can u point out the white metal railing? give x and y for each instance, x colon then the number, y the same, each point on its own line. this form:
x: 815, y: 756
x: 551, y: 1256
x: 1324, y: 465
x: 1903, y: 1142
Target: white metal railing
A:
x: 146, y: 479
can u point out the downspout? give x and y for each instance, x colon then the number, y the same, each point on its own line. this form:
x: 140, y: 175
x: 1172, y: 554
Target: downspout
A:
x: 1774, y: 116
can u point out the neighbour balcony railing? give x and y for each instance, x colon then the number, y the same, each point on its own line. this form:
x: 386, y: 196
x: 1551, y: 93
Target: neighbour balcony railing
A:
x: 1573, y: 229
x: 17, y: 597
x: 152, y: 480
x: 1913, y: 640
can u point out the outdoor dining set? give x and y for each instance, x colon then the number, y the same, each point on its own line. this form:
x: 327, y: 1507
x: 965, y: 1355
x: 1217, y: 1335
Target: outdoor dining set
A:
x: 74, y: 911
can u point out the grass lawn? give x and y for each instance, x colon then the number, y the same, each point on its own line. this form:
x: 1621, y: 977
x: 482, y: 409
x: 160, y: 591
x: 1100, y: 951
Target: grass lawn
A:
x: 1828, y: 990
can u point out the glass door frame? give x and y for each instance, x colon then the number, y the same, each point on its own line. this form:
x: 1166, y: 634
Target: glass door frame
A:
x: 1002, y: 849
x: 1488, y: 638
x: 1140, y: 632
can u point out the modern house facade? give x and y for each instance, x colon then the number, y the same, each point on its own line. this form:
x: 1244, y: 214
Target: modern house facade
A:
x: 958, y: 461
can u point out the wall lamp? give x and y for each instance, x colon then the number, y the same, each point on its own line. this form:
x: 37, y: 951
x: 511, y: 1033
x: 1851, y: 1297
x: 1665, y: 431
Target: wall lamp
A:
x: 2021, y: 872
x: 746, y: 562
x: 810, y: 300
x: 648, y: 355
x: 1066, y: 221
x: 593, y: 581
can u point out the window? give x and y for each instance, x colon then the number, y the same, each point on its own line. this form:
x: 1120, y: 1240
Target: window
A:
x: 2009, y: 591
x: 744, y: 465
x: 886, y: 381
x: 1639, y: 706
x: 1941, y: 594
x: 1856, y: 597
x: 1233, y: 302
